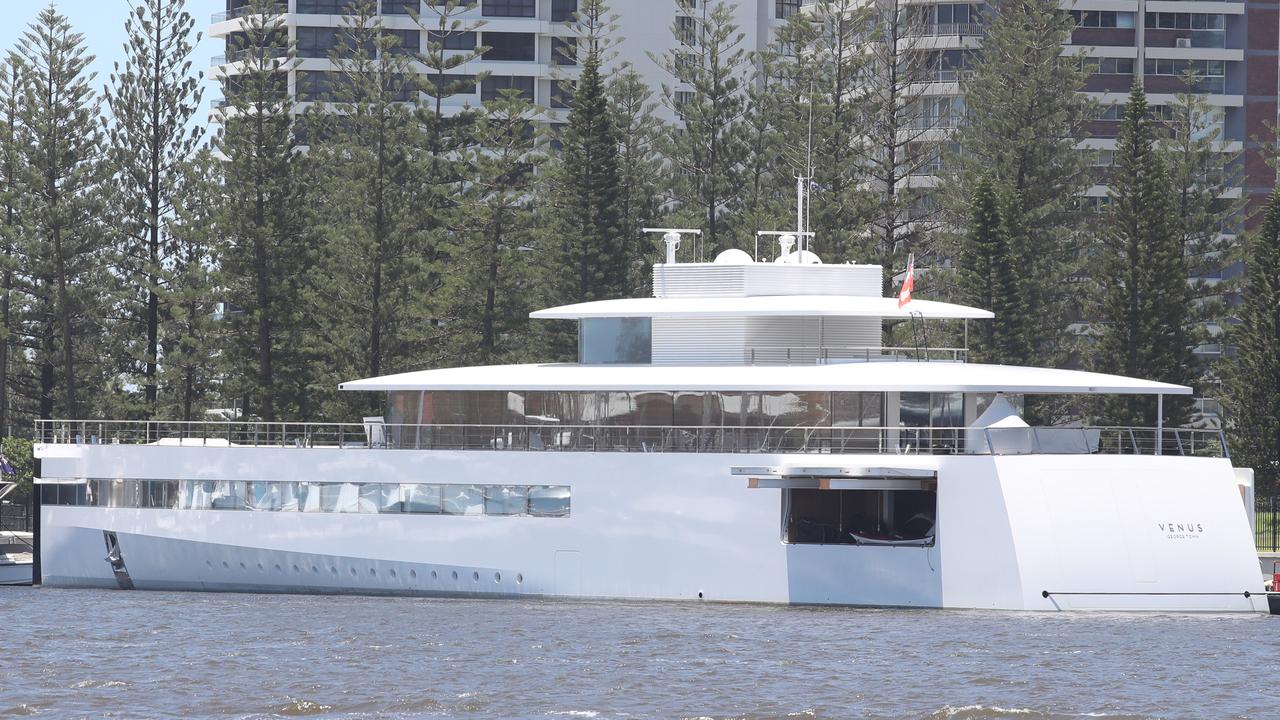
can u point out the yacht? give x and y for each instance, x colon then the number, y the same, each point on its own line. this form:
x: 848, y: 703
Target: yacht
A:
x: 743, y: 435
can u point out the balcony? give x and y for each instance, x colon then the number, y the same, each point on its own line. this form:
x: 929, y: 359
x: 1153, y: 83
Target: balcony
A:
x: 640, y: 438
x: 947, y: 29
x: 234, y: 13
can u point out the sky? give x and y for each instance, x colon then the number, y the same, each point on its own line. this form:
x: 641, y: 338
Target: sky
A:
x: 102, y: 24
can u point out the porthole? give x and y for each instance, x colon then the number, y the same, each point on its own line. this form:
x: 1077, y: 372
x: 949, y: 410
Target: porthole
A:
x: 225, y: 565
x: 333, y: 570
x: 519, y: 578
x: 315, y: 570
x: 278, y: 567
x: 413, y: 574
x: 392, y: 573
x: 353, y: 572
x: 497, y: 577
x: 242, y: 567
x: 297, y: 569
x: 373, y: 572
x: 475, y: 577
x: 209, y: 563
x: 260, y: 568
x: 455, y: 574
x: 433, y: 575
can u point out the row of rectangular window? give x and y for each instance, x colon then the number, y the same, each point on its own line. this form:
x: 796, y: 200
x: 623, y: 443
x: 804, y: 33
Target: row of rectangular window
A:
x: 281, y: 496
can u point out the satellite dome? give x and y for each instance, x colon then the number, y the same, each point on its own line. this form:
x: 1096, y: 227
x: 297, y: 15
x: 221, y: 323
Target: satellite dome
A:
x: 801, y: 257
x: 733, y: 256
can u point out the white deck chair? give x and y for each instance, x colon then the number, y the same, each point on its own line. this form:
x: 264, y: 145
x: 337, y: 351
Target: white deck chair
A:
x: 375, y: 431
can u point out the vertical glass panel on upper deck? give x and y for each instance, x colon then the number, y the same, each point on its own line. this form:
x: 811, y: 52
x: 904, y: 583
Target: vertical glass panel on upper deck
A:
x: 615, y: 341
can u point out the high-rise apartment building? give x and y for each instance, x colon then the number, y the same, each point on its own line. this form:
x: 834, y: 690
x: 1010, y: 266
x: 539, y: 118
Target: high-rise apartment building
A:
x: 530, y: 42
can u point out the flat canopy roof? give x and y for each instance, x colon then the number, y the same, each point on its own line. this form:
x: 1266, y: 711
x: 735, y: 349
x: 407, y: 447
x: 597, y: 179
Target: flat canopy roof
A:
x: 763, y: 306
x: 846, y: 377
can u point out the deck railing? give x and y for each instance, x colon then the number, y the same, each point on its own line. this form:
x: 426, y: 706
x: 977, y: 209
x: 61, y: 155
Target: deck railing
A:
x: 648, y: 438
x: 798, y: 355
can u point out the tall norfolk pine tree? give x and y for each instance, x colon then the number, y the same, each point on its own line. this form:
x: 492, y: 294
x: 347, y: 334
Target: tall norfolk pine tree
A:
x: 988, y: 278
x: 584, y: 237
x: 1251, y: 380
x: 152, y: 99
x: 1025, y: 117
x: 12, y: 172
x: 63, y: 249
x: 707, y: 153
x: 1145, y: 306
x: 369, y: 312
x: 266, y: 255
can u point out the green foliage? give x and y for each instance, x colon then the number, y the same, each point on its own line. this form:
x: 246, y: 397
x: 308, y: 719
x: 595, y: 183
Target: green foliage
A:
x: 20, y: 455
x: 64, y: 262
x: 1025, y: 116
x: 267, y: 251
x: 1251, y: 381
x: 584, y: 241
x: 988, y: 278
x: 639, y: 172
x: 152, y: 100
x: 706, y: 154
x: 1145, y: 306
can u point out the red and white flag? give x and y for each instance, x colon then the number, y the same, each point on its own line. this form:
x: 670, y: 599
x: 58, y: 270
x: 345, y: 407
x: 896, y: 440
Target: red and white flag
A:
x: 908, y: 283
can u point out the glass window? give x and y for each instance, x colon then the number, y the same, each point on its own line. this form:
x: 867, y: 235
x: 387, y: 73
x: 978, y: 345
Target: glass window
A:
x: 506, y: 500
x: 463, y: 500
x: 615, y: 341
x: 399, y: 7
x: 380, y: 498
x: 509, y: 46
x: 508, y: 8
x: 409, y: 41
x: 492, y: 86
x: 424, y: 499
x: 561, y: 93
x: 549, y: 501
x: 273, y: 496
x: 453, y: 40
x: 564, y: 51
x: 563, y: 10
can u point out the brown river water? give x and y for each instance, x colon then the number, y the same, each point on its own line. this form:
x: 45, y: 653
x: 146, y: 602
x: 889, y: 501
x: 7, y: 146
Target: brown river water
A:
x: 90, y: 653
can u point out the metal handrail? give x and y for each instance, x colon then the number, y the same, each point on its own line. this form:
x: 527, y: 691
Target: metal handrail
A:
x: 808, y: 355
x: 644, y: 438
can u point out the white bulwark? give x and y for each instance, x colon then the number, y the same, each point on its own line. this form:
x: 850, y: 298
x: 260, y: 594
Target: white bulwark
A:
x: 742, y: 436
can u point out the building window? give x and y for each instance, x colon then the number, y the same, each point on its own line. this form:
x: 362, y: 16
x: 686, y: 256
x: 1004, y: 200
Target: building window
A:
x: 564, y: 51
x: 445, y: 85
x: 784, y: 9
x: 615, y: 341
x: 409, y: 42
x: 399, y: 7
x: 1103, y: 19
x: 325, y: 7
x: 1109, y: 66
x: 453, y: 40
x: 491, y: 87
x: 509, y: 46
x: 687, y: 30
x: 509, y: 8
x: 563, y: 10
x: 317, y: 42
x: 561, y: 94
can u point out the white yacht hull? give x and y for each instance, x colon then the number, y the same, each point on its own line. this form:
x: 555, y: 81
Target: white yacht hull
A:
x: 1095, y: 532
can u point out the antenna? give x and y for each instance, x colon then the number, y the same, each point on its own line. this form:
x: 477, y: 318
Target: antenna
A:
x: 672, y: 237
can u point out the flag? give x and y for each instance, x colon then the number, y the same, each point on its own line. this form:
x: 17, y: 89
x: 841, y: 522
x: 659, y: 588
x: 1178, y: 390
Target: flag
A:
x: 908, y: 283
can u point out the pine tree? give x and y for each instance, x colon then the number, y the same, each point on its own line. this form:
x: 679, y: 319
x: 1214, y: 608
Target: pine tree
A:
x: 769, y: 167
x: 152, y: 99
x: 1145, y: 308
x: 367, y: 289
x: 706, y: 153
x: 267, y: 254
x: 1024, y: 118
x: 639, y: 172
x: 1203, y: 171
x: 820, y: 104
x: 63, y: 249
x: 897, y: 144
x: 191, y: 336
x: 585, y: 243
x: 988, y: 279
x: 490, y: 286
x: 12, y: 202
x: 1251, y: 380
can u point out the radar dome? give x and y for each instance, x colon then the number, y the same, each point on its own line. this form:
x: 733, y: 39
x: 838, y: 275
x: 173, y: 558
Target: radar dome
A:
x: 801, y: 257
x: 733, y: 256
